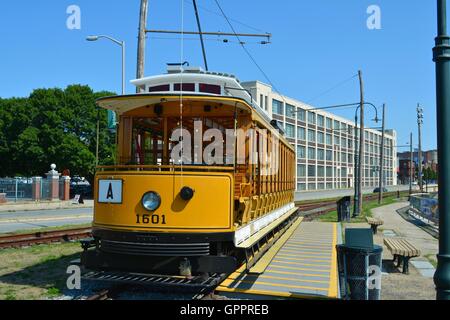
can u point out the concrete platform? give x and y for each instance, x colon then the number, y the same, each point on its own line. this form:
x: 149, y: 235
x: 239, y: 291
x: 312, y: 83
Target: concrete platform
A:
x: 305, y: 267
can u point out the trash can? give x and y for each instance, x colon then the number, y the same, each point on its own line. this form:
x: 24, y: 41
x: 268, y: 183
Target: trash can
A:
x: 343, y: 209
x: 359, y: 266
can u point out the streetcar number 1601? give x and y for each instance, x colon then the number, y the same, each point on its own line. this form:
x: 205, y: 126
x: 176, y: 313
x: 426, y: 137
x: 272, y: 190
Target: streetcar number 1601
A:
x: 150, y: 219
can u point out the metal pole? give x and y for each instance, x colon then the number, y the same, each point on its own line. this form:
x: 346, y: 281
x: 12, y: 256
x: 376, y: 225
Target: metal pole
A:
x: 361, y: 145
x: 355, y: 166
x: 17, y: 187
x: 123, y: 68
x: 419, y: 160
x: 141, y: 41
x: 442, y: 60
x: 411, y: 172
x: 98, y: 135
x: 380, y: 194
x: 201, y: 34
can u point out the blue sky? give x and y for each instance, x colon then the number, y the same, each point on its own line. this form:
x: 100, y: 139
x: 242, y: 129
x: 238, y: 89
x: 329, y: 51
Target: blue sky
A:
x: 316, y: 45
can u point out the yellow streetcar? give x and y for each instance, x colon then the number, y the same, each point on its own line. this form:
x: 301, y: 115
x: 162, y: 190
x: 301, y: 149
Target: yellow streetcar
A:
x: 205, y: 180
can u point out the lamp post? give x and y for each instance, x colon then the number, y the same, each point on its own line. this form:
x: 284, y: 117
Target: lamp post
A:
x: 442, y: 59
x: 112, y: 119
x: 120, y: 43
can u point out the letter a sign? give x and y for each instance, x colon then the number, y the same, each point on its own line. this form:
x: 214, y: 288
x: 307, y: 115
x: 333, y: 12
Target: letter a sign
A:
x: 110, y: 191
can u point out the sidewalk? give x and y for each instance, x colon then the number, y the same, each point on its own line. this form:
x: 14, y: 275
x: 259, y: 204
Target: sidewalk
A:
x: 418, y: 285
x: 32, y: 206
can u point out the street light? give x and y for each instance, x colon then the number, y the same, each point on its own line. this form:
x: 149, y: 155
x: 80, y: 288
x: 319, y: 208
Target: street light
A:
x: 120, y: 43
x: 112, y: 120
x: 441, y: 56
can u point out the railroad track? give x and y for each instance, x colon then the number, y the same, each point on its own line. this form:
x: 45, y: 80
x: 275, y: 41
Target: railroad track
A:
x: 29, y: 239
x: 312, y: 210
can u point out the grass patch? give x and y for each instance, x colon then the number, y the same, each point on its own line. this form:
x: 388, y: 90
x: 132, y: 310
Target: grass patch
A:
x: 37, y: 272
x: 366, y: 212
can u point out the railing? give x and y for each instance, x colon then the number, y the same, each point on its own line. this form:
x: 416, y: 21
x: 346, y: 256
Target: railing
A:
x: 16, y: 188
x: 426, y: 204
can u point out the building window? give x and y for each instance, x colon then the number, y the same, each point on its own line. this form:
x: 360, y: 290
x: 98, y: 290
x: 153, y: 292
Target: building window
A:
x: 311, y: 136
x: 337, y: 140
x: 321, y: 172
x: 301, y: 186
x: 290, y: 111
x: 266, y: 104
x: 321, y: 186
x: 312, y: 171
x: 329, y: 123
x: 277, y: 107
x: 320, y: 121
x: 311, y: 186
x: 301, y: 133
x: 261, y: 102
x: 337, y: 125
x: 320, y: 154
x: 301, y: 152
x: 329, y: 172
x: 311, y: 118
x: 320, y: 137
x: 329, y: 141
x: 311, y: 154
x: 301, y: 115
x: 344, y: 173
x: 290, y: 131
x: 301, y: 170
x: 329, y: 186
x: 329, y: 155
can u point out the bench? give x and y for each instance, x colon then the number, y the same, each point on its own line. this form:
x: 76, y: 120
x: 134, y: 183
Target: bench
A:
x: 374, y: 223
x: 403, y: 251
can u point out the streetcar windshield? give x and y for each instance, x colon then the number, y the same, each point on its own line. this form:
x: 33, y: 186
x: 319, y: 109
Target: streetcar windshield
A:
x: 178, y: 141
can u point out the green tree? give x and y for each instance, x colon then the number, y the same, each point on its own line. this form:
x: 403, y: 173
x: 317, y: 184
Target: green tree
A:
x: 54, y: 126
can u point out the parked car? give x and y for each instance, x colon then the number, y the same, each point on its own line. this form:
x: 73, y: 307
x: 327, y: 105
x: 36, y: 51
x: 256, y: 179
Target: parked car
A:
x: 377, y: 190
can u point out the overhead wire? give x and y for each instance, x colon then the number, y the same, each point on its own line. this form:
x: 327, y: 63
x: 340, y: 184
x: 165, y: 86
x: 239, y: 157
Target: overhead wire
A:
x: 248, y: 52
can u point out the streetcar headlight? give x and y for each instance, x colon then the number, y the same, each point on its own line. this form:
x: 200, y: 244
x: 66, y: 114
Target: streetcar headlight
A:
x: 151, y: 201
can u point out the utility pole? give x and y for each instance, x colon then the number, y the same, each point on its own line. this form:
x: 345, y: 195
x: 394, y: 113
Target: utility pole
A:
x: 141, y: 41
x: 441, y: 57
x: 361, y: 145
x: 411, y: 172
x: 380, y: 194
x: 419, y: 123
x: 355, y: 168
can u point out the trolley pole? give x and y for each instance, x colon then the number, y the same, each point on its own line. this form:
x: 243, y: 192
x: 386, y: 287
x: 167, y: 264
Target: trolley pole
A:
x: 419, y: 123
x: 442, y: 60
x: 380, y: 193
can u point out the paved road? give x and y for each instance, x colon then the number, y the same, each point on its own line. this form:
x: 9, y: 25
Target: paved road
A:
x: 27, y: 220
x: 326, y: 194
